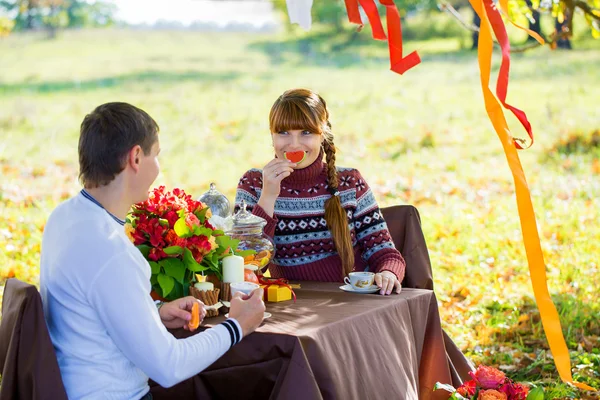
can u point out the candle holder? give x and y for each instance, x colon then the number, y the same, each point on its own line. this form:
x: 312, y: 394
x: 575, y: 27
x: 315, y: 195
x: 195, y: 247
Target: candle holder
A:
x: 208, y: 297
x: 225, y: 291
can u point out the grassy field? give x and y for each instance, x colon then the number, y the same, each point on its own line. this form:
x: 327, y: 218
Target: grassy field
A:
x: 422, y: 139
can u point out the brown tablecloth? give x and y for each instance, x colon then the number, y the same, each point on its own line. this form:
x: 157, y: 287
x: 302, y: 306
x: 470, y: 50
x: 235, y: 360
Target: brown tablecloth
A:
x: 331, y: 344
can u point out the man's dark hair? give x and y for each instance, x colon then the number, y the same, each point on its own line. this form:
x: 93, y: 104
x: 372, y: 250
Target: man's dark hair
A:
x: 107, y: 135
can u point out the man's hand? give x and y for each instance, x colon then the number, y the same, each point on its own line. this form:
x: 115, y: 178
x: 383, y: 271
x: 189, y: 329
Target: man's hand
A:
x: 177, y: 313
x: 248, y: 311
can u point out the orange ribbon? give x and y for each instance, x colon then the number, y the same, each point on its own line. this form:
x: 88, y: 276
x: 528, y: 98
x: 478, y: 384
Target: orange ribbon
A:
x: 276, y: 281
x: 537, y: 267
x: 502, y: 84
x: 399, y: 64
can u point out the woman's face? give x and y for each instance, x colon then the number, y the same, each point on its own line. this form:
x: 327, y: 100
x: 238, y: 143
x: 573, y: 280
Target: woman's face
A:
x: 298, y: 140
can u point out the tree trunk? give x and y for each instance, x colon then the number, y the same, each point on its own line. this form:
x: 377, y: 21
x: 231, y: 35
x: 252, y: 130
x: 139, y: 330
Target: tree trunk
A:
x: 52, y: 24
x: 565, y: 29
x: 30, y: 8
x: 477, y: 23
x: 534, y: 26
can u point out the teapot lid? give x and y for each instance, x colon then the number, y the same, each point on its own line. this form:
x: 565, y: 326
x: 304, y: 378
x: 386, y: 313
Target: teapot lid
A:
x: 245, y: 219
x: 218, y: 202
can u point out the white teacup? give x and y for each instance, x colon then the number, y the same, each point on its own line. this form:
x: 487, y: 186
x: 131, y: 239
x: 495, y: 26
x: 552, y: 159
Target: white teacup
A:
x: 360, y: 280
x: 244, y: 287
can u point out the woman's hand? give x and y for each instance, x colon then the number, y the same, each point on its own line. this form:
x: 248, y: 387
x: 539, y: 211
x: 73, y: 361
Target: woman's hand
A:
x: 273, y: 173
x: 387, y: 281
x: 177, y: 313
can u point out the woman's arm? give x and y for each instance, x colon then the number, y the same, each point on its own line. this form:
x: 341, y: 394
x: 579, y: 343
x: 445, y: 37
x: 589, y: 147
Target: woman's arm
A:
x: 372, y: 234
x: 250, y: 189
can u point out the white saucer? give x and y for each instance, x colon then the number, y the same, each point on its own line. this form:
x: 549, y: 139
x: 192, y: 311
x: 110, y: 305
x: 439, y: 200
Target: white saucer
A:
x: 370, y: 289
x: 267, y: 315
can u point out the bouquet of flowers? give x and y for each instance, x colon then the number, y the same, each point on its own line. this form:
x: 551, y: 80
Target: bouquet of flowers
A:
x: 174, y: 234
x: 491, y: 384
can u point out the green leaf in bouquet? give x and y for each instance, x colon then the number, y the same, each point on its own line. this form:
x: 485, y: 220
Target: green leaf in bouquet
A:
x: 458, y: 396
x: 154, y: 267
x: 174, y: 268
x: 201, y: 214
x: 191, y: 263
x: 166, y: 284
x: 444, y: 386
x: 537, y: 393
x: 202, y: 231
x: 144, y: 249
x: 163, y: 222
x: 171, y: 250
x: 218, y: 232
x: 176, y: 293
x: 154, y: 281
x: 181, y: 228
x: 226, y: 242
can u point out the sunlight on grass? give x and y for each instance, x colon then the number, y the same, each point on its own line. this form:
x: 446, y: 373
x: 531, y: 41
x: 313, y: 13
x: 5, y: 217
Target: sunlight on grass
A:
x: 422, y: 138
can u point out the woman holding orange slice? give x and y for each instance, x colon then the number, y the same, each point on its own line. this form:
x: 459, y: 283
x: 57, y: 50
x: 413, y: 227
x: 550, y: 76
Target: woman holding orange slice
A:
x: 323, y: 219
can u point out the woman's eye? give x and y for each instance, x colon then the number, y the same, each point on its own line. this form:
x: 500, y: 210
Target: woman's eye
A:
x: 283, y: 133
x: 306, y: 132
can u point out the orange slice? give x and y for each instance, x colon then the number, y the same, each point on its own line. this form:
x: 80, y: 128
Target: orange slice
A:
x: 262, y: 254
x: 250, y: 276
x: 195, y: 321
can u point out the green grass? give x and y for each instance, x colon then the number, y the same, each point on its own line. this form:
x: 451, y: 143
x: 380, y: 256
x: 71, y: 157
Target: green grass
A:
x: 422, y: 138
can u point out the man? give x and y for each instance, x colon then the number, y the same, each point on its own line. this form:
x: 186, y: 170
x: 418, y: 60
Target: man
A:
x: 108, y: 334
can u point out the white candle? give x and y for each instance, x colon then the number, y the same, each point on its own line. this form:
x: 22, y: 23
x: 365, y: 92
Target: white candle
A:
x: 233, y: 269
x: 204, y: 286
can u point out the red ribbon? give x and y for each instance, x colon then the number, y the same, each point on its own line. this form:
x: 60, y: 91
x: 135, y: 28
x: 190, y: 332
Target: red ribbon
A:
x: 502, y: 84
x: 276, y: 281
x: 353, y: 13
x: 399, y: 64
x: 371, y: 10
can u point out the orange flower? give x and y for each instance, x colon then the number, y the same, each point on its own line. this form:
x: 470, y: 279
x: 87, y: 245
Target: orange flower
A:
x: 129, y: 230
x: 488, y: 377
x: 491, y: 394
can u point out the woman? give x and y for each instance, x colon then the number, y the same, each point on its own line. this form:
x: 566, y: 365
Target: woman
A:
x: 324, y: 219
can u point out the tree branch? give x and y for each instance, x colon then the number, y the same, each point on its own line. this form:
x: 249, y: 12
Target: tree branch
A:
x: 520, y: 49
x: 452, y: 11
x: 586, y: 9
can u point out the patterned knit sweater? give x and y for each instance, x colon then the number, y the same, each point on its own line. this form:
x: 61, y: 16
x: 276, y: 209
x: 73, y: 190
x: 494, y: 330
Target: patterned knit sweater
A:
x: 304, y: 247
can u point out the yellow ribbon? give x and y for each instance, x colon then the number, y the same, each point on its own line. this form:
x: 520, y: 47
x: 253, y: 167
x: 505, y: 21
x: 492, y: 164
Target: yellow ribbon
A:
x: 537, y: 267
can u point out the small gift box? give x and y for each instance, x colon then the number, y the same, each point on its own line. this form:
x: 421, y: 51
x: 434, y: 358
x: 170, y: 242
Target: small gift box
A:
x: 276, y: 290
x: 276, y: 293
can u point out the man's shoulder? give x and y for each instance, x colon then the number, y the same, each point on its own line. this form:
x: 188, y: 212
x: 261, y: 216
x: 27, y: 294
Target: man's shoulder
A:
x: 84, y: 229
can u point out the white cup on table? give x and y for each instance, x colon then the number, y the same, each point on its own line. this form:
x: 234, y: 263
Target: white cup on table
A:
x: 360, y: 280
x: 244, y: 287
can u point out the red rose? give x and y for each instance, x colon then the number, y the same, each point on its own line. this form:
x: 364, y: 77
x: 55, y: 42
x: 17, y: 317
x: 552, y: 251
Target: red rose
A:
x: 515, y: 391
x: 468, y: 388
x: 191, y: 221
x: 488, y: 377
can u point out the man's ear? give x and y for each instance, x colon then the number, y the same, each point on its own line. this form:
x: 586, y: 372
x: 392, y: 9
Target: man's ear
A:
x: 134, y: 157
